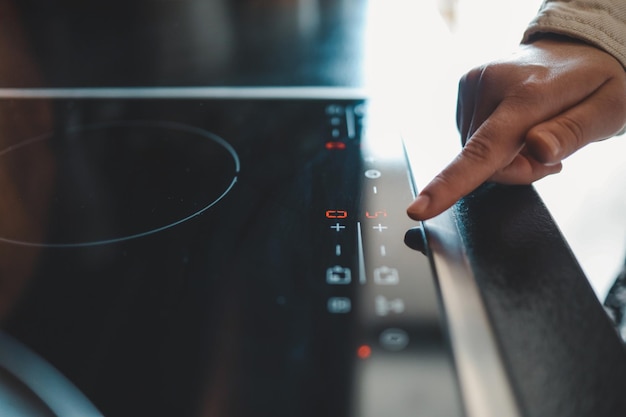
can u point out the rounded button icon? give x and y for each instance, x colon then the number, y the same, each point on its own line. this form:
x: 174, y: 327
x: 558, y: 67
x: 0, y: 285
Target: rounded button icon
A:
x: 373, y: 173
x: 394, y: 339
x: 359, y: 110
x: 334, y: 110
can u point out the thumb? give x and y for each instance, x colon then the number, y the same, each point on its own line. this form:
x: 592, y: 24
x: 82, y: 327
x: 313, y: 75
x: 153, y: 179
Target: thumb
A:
x: 598, y: 117
x: 550, y: 142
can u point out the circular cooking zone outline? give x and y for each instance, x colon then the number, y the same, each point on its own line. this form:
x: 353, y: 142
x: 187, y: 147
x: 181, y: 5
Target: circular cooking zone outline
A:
x: 172, y: 127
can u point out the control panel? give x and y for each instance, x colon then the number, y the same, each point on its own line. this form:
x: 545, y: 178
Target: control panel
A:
x: 374, y: 279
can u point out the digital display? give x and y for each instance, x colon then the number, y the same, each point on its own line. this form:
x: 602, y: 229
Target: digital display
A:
x: 216, y: 257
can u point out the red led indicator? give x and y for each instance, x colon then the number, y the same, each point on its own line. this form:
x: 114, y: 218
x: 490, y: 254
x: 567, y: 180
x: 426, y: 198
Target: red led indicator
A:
x: 335, y: 145
x: 364, y: 351
x: 336, y: 214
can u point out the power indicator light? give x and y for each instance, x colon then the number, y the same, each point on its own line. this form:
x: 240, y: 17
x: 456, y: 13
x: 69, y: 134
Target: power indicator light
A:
x: 336, y: 214
x: 364, y: 351
x: 332, y: 145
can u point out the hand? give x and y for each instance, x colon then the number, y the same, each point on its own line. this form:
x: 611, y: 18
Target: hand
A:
x: 520, y: 117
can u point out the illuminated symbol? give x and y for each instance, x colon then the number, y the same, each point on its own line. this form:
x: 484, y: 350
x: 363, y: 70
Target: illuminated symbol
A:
x: 335, y: 133
x: 335, y: 121
x: 338, y: 250
x: 373, y: 173
x: 383, y: 250
x: 334, y: 110
x: 394, y: 339
x: 335, y: 145
x: 338, y: 275
x: 376, y: 214
x: 339, y: 305
x: 338, y: 227
x: 385, y: 306
x: 386, y: 276
x: 375, y: 189
x: 364, y: 351
x: 380, y: 227
x: 336, y: 214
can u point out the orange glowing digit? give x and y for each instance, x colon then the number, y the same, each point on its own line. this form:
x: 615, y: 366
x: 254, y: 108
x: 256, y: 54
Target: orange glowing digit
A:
x: 336, y: 214
x: 376, y: 214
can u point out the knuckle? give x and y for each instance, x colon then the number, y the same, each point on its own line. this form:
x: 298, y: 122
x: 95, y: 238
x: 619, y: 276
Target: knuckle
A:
x: 528, y: 95
x: 483, y: 78
x: 478, y: 151
x: 572, y: 128
x: 470, y: 78
x: 532, y: 87
x: 490, y: 75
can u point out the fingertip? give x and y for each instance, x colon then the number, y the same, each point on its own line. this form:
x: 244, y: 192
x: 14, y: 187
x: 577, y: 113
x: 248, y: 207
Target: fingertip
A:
x: 544, y: 146
x: 418, y: 210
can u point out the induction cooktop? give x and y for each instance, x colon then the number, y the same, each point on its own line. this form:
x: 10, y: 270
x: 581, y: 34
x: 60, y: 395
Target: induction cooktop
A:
x: 220, y: 254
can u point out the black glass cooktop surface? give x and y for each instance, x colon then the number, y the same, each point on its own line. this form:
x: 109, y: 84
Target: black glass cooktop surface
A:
x: 213, y: 257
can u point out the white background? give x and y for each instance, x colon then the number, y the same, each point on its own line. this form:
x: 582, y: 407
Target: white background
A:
x: 442, y: 40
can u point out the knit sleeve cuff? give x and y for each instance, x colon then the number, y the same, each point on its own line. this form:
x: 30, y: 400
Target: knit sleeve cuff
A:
x: 600, y: 23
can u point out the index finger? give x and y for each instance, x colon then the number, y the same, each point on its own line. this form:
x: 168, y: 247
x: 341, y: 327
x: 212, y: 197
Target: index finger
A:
x: 493, y: 146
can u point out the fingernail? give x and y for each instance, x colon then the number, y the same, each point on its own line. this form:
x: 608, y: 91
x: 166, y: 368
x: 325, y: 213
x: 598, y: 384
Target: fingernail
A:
x: 552, y: 143
x: 419, y: 206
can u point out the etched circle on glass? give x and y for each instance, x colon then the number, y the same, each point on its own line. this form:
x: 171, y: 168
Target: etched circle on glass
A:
x: 111, y: 182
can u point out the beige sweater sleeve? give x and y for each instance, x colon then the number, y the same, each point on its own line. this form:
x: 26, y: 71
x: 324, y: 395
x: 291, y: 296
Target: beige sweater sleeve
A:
x: 599, y: 22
